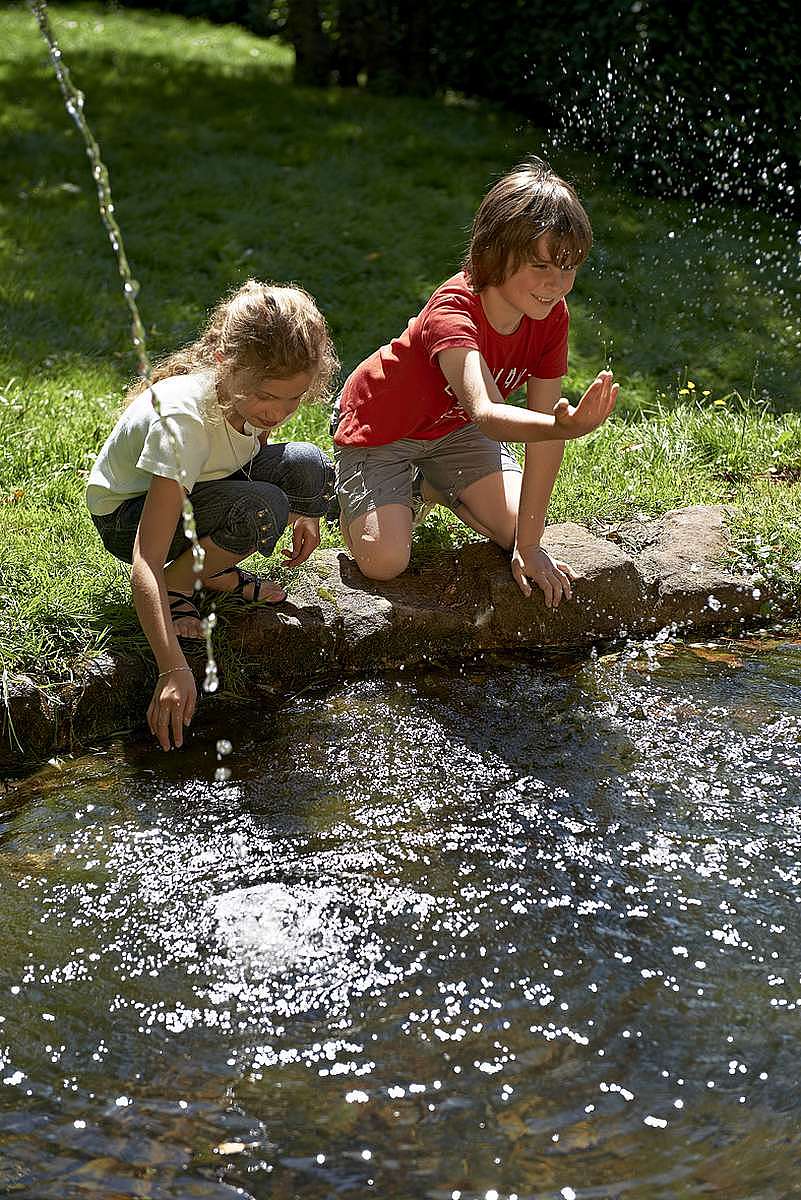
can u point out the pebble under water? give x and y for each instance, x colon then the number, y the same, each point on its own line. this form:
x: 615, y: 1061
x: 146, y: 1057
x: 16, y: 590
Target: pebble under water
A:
x: 504, y: 931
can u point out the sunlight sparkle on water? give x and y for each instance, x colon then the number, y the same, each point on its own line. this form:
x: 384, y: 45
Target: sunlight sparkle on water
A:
x: 497, y: 926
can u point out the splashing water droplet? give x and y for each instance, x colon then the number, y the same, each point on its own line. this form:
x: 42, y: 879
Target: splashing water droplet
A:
x: 211, y: 679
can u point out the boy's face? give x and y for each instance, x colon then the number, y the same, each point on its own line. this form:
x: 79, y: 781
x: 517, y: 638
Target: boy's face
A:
x: 539, y: 284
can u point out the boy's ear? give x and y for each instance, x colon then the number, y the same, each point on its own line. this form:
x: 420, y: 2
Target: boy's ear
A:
x: 217, y: 356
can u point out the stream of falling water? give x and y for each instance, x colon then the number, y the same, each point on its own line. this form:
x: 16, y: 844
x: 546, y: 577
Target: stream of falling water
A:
x: 74, y: 102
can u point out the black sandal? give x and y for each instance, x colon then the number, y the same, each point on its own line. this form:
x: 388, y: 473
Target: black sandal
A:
x: 245, y: 579
x: 184, y: 606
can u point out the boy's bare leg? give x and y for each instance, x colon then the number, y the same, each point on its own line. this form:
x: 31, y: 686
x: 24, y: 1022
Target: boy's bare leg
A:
x: 381, y: 541
x: 489, y: 506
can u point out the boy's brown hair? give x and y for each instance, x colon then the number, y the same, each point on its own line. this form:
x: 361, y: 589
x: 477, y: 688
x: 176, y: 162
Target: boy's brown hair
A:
x: 531, y: 200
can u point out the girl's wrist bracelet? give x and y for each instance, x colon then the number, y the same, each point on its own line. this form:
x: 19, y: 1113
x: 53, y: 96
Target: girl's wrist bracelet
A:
x: 172, y: 670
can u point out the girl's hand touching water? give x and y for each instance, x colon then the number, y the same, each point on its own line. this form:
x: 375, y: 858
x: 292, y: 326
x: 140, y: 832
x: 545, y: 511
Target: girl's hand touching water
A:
x: 172, y: 706
x: 591, y: 411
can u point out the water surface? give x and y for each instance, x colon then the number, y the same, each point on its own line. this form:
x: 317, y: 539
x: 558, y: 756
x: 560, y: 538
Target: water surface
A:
x: 492, y: 932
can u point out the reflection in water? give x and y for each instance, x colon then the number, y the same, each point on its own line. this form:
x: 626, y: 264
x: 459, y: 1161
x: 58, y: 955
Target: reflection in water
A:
x: 502, y: 932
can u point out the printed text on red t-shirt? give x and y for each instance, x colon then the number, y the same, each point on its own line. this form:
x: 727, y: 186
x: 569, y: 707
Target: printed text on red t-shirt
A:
x: 508, y: 379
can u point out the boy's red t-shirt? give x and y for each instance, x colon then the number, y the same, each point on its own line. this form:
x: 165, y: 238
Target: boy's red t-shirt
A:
x: 400, y: 391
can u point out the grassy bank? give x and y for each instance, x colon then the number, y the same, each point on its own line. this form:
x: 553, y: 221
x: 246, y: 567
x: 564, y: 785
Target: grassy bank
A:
x: 221, y: 170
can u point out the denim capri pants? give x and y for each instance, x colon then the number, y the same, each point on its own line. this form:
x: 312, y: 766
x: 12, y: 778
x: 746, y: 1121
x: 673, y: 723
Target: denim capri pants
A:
x: 243, y: 512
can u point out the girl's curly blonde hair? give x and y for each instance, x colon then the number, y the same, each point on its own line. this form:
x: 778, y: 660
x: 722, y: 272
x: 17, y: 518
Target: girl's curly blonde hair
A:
x: 269, y: 329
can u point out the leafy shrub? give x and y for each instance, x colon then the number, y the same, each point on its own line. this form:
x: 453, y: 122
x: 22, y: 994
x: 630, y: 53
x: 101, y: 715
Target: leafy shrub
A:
x: 696, y: 97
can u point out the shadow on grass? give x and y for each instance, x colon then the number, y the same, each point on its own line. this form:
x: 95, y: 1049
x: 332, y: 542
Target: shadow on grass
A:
x: 222, y: 171
x: 217, y: 177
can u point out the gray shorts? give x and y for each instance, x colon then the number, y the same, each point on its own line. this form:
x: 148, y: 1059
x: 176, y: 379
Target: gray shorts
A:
x: 368, y: 477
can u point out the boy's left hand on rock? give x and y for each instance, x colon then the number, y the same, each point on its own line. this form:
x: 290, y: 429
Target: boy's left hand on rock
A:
x: 552, y: 577
x: 592, y: 409
x: 305, y: 539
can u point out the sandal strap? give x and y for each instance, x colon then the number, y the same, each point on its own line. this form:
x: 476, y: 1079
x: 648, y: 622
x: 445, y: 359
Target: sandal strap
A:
x: 258, y: 582
x: 245, y: 579
x: 183, y: 606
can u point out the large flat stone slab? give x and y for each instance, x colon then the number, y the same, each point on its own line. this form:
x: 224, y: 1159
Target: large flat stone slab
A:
x: 662, y: 573
x: 607, y: 595
x: 686, y: 585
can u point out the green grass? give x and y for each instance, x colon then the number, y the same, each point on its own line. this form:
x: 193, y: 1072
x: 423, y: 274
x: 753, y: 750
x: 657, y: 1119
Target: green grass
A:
x: 220, y: 170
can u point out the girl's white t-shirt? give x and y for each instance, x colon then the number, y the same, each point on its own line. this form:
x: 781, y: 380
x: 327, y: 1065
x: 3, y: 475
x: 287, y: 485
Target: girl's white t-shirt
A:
x: 182, y: 442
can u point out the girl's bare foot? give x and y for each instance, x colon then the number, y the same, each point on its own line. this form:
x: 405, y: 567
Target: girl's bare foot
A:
x: 189, y: 627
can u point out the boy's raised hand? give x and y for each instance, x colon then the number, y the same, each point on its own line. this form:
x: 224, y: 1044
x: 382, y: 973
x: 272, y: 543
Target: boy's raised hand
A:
x: 592, y: 409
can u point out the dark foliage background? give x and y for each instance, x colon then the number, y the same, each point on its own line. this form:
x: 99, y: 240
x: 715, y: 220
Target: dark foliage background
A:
x: 695, y: 97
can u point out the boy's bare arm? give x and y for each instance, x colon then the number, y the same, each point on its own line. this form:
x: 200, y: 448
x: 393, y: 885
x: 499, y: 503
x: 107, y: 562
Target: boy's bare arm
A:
x: 529, y: 561
x: 542, y: 466
x: 476, y: 390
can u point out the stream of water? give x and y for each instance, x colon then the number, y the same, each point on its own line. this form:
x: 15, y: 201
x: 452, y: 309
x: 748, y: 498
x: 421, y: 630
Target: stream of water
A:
x: 509, y: 931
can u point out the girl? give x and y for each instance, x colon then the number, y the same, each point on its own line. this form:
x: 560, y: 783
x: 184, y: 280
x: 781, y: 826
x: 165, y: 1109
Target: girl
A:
x: 266, y: 347
x: 424, y: 418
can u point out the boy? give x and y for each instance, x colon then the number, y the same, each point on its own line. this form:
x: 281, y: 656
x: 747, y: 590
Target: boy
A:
x: 433, y: 401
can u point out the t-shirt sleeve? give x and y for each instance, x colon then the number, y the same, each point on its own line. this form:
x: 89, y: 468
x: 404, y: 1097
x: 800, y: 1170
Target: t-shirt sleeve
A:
x: 448, y: 323
x: 551, y: 361
x: 176, y: 446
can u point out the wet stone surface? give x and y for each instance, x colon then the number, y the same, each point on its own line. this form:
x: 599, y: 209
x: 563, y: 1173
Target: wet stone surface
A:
x: 658, y: 575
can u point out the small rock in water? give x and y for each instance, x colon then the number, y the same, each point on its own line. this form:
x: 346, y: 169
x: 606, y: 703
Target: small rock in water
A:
x: 713, y: 603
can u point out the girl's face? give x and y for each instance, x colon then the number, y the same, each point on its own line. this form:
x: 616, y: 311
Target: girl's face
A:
x: 263, y: 403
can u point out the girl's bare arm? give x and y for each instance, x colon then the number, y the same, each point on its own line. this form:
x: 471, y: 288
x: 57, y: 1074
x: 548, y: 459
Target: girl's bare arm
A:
x: 173, y: 703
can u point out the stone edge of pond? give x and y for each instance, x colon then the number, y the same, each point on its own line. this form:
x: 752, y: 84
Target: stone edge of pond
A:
x: 655, y: 574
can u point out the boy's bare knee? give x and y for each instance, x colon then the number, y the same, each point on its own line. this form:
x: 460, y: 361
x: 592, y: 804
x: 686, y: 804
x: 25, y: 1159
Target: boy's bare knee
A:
x: 380, y: 573
x: 506, y: 538
x: 380, y: 562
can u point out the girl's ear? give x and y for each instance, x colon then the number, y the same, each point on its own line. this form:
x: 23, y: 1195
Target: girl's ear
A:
x: 218, y: 357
